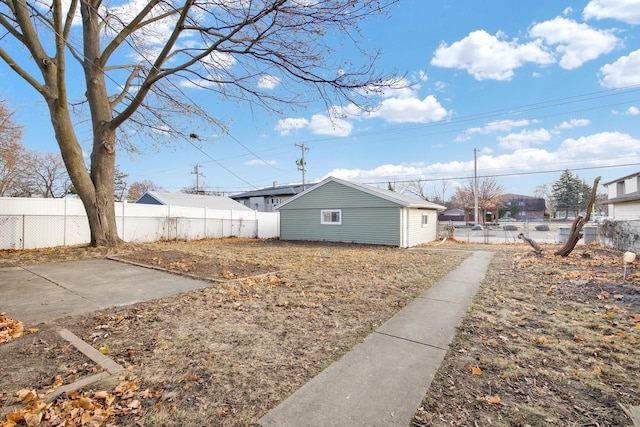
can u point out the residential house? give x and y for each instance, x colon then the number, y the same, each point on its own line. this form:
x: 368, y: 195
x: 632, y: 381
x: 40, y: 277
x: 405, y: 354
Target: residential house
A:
x: 336, y: 210
x: 454, y: 214
x: 523, y: 208
x: 624, y: 197
x: 268, y: 199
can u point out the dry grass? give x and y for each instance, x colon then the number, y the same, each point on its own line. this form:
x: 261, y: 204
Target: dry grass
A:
x: 547, y: 341
x: 556, y: 342
x: 230, y: 352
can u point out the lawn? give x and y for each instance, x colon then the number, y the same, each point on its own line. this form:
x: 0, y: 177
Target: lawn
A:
x: 547, y: 340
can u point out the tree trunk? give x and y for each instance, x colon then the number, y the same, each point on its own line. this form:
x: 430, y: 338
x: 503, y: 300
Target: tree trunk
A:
x: 95, y: 190
x: 576, y: 228
x: 100, y: 206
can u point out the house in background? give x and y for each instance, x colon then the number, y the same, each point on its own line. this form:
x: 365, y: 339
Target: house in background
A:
x: 268, y: 199
x: 624, y: 197
x: 191, y: 201
x: 523, y: 208
x: 336, y: 210
x: 453, y: 214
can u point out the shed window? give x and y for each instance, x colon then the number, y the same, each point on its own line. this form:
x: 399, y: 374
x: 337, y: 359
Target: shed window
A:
x: 331, y: 217
x: 425, y: 220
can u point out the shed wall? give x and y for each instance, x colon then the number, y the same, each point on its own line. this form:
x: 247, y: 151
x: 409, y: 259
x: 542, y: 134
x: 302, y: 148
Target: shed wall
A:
x: 360, y: 225
x: 419, y: 234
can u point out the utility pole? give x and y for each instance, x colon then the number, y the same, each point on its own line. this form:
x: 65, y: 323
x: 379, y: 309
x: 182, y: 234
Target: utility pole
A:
x: 302, y: 165
x: 475, y: 185
x: 198, y: 174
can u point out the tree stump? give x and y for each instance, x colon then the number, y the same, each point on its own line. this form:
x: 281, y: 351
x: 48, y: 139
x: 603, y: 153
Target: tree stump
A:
x: 576, y: 228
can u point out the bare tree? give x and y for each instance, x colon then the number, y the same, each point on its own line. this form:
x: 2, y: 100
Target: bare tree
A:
x: 48, y: 177
x: 489, y: 194
x: 138, y: 188
x: 545, y: 191
x: 418, y: 188
x: 140, y: 59
x: 12, y: 151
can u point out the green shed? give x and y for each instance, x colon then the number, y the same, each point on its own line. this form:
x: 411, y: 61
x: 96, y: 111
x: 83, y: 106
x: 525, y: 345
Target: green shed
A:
x: 336, y: 210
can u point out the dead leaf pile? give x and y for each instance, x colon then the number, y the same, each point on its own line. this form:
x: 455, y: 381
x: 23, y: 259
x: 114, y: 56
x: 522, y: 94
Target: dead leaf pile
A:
x: 11, y: 329
x: 91, y: 408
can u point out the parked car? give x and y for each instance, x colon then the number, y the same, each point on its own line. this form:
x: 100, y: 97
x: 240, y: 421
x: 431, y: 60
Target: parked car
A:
x: 599, y: 219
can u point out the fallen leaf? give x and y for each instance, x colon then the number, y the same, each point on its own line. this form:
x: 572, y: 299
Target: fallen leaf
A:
x: 475, y: 370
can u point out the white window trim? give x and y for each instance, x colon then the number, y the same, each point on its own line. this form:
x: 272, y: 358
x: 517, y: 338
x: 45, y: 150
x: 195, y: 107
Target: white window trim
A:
x: 422, y: 221
x: 323, y: 222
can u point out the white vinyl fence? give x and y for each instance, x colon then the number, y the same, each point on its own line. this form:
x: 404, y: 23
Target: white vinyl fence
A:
x: 27, y: 223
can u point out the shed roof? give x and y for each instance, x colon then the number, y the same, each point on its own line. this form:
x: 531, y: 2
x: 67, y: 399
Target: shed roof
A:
x: 192, y: 201
x: 392, y: 196
x: 280, y: 190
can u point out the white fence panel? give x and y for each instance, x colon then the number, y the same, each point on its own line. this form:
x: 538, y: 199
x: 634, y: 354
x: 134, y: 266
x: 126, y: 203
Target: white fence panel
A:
x: 36, y: 223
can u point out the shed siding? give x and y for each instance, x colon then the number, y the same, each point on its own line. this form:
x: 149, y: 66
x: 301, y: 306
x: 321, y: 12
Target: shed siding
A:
x: 376, y: 225
x: 419, y: 234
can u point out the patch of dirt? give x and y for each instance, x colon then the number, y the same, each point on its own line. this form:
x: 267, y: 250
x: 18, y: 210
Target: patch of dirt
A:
x: 199, y: 265
x: 547, y: 341
x: 230, y: 352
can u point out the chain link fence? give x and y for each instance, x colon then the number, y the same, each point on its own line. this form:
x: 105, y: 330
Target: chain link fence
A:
x: 58, y: 222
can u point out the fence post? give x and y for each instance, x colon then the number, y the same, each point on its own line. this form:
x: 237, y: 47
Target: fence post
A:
x: 64, y: 224
x: 124, y: 202
x: 24, y: 226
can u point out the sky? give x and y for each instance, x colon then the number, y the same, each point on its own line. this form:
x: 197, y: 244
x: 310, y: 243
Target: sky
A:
x: 528, y: 88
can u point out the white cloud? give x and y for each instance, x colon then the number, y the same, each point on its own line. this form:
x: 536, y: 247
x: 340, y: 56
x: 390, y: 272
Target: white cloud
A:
x: 573, y: 123
x: 285, y: 126
x: 605, y: 144
x: 524, y: 139
x: 218, y: 61
x: 155, y: 33
x: 633, y: 111
x: 493, y: 127
x: 260, y: 162
x: 486, y: 56
x: 268, y: 82
x: 623, y: 10
x: 623, y: 72
x: 399, y: 88
x: 576, y: 43
x: 410, y: 110
x: 602, y: 149
x: 323, y: 125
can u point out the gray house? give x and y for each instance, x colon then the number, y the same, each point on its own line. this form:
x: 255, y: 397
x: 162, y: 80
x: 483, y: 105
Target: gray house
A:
x: 336, y: 210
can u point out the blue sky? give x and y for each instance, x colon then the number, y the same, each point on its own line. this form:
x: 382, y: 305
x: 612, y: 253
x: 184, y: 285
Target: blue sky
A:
x: 536, y: 87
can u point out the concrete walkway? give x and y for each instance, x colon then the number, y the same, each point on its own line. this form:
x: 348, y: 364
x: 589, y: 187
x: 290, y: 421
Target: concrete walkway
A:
x: 40, y: 293
x: 382, y: 380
